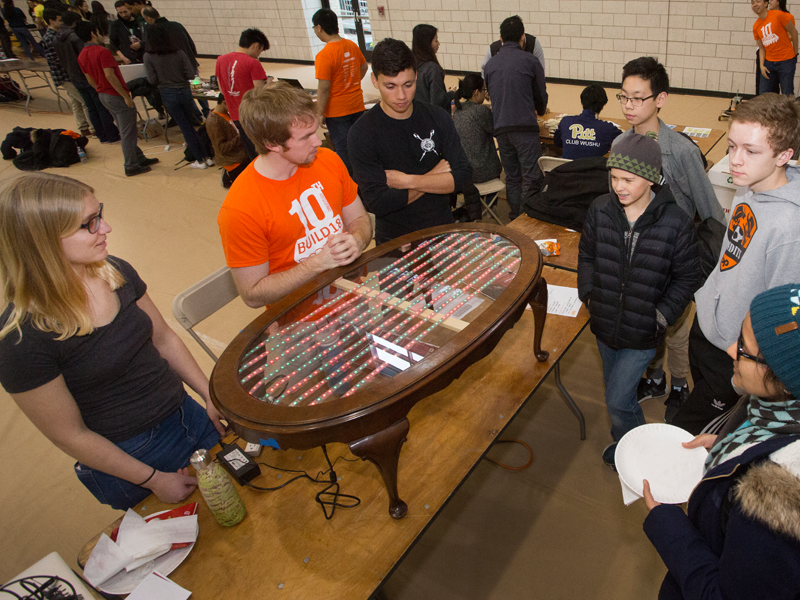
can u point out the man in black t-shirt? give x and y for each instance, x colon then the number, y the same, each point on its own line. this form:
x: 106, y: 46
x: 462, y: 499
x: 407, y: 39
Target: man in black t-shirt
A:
x: 407, y: 157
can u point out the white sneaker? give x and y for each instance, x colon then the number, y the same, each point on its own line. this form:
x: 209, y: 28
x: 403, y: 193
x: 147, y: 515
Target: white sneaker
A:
x: 210, y: 161
x: 198, y: 165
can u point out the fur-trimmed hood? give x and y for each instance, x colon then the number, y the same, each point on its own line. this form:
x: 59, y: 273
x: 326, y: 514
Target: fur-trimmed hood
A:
x: 770, y: 492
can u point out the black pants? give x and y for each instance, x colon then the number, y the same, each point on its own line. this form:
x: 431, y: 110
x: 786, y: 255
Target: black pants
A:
x: 472, y: 203
x: 713, y: 394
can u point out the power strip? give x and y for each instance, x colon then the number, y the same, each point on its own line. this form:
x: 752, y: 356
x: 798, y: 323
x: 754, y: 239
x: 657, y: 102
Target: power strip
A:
x: 238, y: 464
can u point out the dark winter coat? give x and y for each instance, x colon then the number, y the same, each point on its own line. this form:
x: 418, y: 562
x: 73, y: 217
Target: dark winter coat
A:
x: 625, y: 275
x: 568, y: 192
x: 741, y: 538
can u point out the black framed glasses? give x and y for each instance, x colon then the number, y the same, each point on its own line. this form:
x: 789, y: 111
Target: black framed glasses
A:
x: 93, y: 224
x: 740, y: 352
x: 634, y: 101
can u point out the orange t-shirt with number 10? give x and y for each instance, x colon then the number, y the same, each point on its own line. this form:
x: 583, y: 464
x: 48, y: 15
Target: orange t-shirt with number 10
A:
x: 772, y: 33
x: 340, y: 63
x: 284, y: 222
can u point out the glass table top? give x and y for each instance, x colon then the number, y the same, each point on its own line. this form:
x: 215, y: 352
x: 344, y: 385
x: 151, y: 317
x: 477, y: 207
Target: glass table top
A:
x: 378, y: 321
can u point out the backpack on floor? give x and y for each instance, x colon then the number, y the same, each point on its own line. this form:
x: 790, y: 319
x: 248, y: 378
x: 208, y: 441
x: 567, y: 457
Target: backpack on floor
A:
x: 10, y: 90
x: 51, y: 148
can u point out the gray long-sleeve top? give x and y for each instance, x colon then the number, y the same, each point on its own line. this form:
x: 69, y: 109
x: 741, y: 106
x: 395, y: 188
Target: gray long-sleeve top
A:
x: 430, y: 85
x: 169, y: 70
x: 682, y: 167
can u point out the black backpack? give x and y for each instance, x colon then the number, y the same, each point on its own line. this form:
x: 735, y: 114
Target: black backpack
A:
x: 50, y: 149
x: 10, y: 90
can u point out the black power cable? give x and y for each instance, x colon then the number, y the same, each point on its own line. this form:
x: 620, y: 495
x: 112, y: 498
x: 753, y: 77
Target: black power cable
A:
x: 49, y: 589
x: 325, y: 498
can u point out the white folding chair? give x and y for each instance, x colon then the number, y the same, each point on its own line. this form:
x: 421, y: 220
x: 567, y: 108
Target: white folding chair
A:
x: 489, y: 191
x: 202, y: 300
x: 548, y: 163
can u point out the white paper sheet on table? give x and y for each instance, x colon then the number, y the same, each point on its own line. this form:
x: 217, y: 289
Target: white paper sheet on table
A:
x: 562, y: 301
x: 158, y: 587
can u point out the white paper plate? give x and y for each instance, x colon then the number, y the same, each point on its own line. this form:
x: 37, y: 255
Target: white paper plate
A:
x: 654, y: 452
x: 125, y: 582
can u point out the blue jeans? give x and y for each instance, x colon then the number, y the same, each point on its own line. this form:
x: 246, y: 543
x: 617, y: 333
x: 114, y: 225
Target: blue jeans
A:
x: 622, y: 370
x: 519, y: 155
x: 167, y: 447
x: 26, y: 40
x: 338, y: 128
x: 101, y: 119
x: 181, y: 107
x: 780, y: 73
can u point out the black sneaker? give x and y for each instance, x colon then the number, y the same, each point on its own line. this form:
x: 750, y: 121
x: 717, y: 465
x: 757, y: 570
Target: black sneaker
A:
x: 609, y: 454
x: 677, y: 396
x: 648, y: 388
x: 146, y: 162
x: 136, y: 171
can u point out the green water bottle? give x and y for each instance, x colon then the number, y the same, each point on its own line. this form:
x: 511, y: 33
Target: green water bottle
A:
x: 217, y: 489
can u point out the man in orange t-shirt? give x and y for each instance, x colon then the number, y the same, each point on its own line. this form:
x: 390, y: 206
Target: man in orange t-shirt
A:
x: 776, y: 37
x: 294, y: 212
x: 340, y: 66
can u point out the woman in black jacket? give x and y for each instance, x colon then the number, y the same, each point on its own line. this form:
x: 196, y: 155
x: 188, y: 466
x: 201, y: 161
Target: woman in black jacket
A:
x: 741, y: 537
x: 430, y: 74
x: 638, y: 269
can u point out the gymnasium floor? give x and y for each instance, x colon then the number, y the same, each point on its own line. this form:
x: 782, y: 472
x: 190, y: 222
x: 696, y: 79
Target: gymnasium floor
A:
x: 556, y: 530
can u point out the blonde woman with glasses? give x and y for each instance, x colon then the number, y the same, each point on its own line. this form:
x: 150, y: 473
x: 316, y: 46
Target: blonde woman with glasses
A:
x: 85, y: 353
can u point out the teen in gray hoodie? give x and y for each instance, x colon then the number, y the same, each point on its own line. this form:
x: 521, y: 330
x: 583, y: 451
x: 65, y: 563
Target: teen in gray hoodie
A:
x: 761, y: 250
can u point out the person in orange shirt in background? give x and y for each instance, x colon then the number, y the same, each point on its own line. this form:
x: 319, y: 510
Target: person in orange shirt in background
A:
x: 340, y: 67
x: 294, y: 212
x: 229, y: 152
x: 776, y: 36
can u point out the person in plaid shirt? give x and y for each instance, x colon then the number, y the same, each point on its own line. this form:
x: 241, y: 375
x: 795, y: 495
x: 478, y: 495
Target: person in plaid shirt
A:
x: 59, y: 75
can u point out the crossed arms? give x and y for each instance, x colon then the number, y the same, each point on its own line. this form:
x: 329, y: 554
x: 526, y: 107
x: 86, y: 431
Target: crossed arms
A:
x: 258, y: 287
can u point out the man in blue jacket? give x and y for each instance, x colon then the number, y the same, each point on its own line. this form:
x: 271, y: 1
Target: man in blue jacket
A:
x: 515, y: 81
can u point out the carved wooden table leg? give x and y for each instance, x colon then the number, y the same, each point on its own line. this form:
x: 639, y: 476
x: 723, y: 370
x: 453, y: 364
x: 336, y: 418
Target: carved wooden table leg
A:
x: 383, y: 450
x: 538, y: 304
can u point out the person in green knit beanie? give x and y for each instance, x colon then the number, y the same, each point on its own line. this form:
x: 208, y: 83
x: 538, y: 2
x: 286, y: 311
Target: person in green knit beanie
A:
x: 638, y: 268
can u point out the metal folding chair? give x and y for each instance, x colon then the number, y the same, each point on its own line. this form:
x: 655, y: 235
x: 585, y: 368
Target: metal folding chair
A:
x: 203, y: 299
x: 548, y: 163
x: 489, y: 191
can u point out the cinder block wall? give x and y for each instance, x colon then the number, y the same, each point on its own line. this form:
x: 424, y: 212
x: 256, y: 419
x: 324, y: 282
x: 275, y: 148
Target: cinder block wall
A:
x: 705, y: 45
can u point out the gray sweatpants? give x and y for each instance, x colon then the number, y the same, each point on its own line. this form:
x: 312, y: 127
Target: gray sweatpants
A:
x: 126, y: 119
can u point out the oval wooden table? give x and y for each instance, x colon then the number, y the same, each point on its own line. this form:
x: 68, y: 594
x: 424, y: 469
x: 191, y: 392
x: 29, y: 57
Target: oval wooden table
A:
x: 345, y: 357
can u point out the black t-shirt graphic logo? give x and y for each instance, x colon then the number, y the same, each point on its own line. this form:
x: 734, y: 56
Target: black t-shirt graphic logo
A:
x: 741, y: 230
x: 427, y: 145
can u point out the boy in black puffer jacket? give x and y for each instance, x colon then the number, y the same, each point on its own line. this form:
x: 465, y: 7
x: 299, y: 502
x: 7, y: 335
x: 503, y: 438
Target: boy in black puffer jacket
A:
x: 638, y: 269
